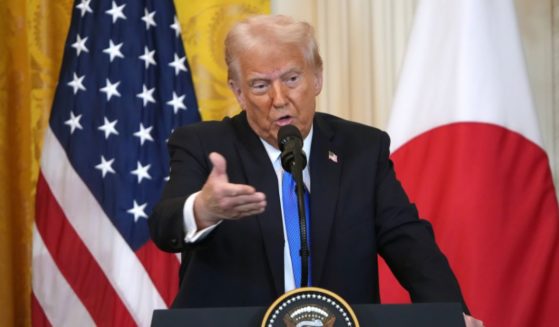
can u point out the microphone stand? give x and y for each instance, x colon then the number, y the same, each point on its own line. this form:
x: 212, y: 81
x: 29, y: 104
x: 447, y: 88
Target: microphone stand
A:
x: 297, y: 171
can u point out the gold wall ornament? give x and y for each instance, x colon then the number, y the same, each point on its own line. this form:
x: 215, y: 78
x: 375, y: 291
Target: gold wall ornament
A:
x: 204, y: 26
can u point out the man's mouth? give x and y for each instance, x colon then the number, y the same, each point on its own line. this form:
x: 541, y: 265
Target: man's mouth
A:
x: 285, y: 120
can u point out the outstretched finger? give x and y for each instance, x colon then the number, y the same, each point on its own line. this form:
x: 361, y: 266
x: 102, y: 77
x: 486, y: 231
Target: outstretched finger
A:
x: 235, y: 190
x: 219, y: 169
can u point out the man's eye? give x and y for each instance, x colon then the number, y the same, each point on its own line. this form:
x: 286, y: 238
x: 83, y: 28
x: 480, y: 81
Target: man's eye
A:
x: 292, y: 80
x: 259, y: 87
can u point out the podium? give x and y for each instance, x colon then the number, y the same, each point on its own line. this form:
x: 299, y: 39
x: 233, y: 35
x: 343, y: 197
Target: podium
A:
x: 369, y: 315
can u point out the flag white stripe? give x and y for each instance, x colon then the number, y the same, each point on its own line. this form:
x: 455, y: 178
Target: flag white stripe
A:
x: 53, y: 291
x: 117, y: 260
x: 500, y: 79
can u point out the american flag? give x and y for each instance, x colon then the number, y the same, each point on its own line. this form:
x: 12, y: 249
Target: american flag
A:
x: 124, y: 86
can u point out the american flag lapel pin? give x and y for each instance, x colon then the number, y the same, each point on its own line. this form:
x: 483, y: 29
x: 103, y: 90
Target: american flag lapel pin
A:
x: 332, y: 156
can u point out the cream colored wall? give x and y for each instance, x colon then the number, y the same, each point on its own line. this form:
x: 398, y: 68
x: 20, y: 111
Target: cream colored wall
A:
x: 535, y: 20
x: 363, y: 43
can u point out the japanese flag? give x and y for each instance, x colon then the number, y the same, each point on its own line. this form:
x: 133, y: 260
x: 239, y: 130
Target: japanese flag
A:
x: 466, y: 147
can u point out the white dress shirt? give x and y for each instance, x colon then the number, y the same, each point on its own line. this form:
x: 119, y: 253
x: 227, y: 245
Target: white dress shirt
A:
x: 193, y: 234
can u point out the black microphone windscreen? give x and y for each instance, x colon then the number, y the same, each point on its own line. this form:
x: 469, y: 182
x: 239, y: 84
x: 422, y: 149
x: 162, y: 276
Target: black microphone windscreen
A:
x: 286, y: 133
x: 290, y: 142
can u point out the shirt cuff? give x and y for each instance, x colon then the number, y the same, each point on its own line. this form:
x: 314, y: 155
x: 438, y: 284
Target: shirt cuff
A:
x: 191, y: 229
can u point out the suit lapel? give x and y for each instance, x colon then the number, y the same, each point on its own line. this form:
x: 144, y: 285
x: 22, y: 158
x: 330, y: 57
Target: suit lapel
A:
x: 325, y: 181
x: 260, y: 173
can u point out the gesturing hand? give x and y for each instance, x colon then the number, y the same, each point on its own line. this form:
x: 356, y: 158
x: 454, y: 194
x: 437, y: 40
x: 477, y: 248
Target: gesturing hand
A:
x: 220, y: 199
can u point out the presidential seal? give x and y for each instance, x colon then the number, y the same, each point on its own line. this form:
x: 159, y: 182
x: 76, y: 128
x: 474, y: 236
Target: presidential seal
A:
x: 309, y: 307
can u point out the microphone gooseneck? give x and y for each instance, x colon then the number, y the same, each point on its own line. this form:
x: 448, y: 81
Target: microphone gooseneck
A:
x: 294, y: 160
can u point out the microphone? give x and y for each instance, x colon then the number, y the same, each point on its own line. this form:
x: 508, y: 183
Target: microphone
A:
x: 294, y: 160
x: 290, y: 142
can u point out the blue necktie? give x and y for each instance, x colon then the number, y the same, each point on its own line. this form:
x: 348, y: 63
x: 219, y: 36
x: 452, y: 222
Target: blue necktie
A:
x: 291, y: 220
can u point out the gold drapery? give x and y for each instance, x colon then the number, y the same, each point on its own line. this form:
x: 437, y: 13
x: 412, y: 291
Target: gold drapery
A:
x: 32, y: 36
x: 204, y: 25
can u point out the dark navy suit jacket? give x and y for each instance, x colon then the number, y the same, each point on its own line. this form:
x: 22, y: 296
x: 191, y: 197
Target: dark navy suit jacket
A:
x: 358, y: 210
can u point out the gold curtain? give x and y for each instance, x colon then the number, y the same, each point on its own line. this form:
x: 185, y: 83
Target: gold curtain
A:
x: 204, y: 25
x: 32, y: 36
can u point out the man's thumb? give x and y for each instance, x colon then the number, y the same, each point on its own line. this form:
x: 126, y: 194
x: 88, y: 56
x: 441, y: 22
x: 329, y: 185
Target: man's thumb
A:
x: 219, y: 169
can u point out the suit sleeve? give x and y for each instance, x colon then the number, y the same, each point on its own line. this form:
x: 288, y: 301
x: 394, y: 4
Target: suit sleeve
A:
x: 407, y: 243
x: 189, y: 168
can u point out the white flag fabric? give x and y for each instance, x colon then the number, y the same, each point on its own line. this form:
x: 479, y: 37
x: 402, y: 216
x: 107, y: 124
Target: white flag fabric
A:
x: 466, y: 147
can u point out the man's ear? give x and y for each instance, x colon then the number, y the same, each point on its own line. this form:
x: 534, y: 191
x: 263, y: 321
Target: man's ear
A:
x: 237, y: 92
x: 317, y: 82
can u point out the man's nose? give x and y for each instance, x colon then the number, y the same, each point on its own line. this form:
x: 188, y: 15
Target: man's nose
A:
x: 279, y: 97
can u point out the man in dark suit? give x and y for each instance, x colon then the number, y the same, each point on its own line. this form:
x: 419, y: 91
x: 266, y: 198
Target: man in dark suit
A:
x: 222, y: 207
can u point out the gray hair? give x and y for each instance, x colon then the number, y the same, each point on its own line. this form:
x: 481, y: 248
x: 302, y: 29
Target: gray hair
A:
x: 261, y: 30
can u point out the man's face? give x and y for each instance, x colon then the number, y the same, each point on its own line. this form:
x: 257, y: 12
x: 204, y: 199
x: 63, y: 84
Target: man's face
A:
x: 277, y: 87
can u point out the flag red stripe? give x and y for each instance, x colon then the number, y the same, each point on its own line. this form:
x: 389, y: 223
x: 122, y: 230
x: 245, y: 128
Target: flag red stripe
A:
x: 76, y: 263
x: 38, y: 317
x: 163, y: 269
